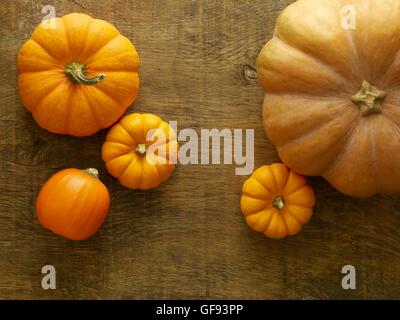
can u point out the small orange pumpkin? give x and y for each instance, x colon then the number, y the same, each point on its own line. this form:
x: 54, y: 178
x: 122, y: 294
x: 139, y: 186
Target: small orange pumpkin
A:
x: 73, y: 203
x: 277, y: 201
x: 78, y: 77
x: 127, y: 155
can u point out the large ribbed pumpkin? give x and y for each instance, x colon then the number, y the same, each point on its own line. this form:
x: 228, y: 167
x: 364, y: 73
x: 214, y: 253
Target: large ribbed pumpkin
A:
x: 79, y: 76
x: 332, y: 79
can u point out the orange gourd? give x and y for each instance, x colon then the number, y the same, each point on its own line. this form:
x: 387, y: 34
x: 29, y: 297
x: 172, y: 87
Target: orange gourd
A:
x: 131, y: 151
x: 277, y: 201
x: 78, y: 77
x: 332, y: 104
x: 73, y: 203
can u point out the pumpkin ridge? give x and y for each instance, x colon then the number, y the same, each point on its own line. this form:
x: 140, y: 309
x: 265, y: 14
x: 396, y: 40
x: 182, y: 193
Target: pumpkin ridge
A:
x: 69, y: 36
x: 393, y: 121
x: 64, y: 34
x: 71, y: 109
x: 270, y: 222
x: 119, y: 143
x: 285, y: 223
x: 269, y: 212
x: 293, y: 216
x: 247, y: 194
x: 104, y: 44
x: 347, y: 138
x: 299, y: 204
x: 274, y: 192
x: 120, y: 126
x: 154, y: 169
x: 32, y: 109
x: 134, y: 160
x: 257, y: 198
x: 134, y: 70
x: 68, y: 113
x: 268, y: 191
x: 111, y: 97
x: 295, y: 190
x: 49, y: 56
x: 86, y: 35
x: 340, y: 141
x: 312, y: 132
x: 124, y: 106
x: 343, y: 80
x: 141, y: 168
x: 90, y: 108
x: 57, y: 62
x: 38, y: 105
x: 264, y: 186
x: 128, y: 132
x: 286, y: 179
x: 374, y: 167
x: 91, y: 58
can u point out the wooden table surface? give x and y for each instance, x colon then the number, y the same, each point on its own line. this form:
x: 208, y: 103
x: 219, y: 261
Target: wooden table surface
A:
x: 186, y: 239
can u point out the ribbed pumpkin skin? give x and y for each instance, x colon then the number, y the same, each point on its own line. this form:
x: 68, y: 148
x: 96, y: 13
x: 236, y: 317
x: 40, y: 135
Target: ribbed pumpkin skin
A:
x: 312, y: 69
x: 135, y: 171
x: 73, y: 204
x: 260, y: 205
x: 62, y: 106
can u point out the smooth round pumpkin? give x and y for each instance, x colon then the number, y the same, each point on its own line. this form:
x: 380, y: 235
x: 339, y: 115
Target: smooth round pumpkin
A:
x: 131, y: 151
x: 78, y: 77
x: 332, y: 103
x: 73, y: 203
x: 277, y: 201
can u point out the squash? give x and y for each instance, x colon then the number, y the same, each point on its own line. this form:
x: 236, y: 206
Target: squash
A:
x: 332, y: 103
x: 79, y: 77
x: 277, y: 201
x: 73, y: 203
x: 131, y: 155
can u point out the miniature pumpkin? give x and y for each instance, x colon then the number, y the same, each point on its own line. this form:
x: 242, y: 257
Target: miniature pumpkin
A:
x: 131, y: 151
x: 332, y: 104
x: 79, y: 77
x: 277, y: 201
x: 73, y: 203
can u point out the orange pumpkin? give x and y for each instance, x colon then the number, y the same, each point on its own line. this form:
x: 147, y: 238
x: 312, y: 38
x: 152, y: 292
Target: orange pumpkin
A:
x: 73, y: 203
x: 79, y: 77
x: 332, y: 104
x: 131, y: 151
x: 277, y: 201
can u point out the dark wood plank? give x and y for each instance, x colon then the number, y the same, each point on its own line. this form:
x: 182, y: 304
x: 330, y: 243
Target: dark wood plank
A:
x: 187, y: 238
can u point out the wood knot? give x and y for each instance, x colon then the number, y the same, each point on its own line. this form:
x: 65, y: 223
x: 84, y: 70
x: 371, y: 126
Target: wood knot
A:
x: 249, y: 73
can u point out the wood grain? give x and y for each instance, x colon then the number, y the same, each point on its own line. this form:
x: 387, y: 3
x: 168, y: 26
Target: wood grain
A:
x: 187, y: 238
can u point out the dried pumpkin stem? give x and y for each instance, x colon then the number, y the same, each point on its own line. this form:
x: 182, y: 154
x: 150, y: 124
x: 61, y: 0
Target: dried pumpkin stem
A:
x: 76, y: 72
x: 92, y: 172
x: 369, y: 99
x: 279, y: 202
x: 141, y: 149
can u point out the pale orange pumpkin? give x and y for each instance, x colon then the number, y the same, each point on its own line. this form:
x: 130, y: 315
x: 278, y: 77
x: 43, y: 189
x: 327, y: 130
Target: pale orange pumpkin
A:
x: 78, y: 77
x: 140, y: 151
x: 73, y: 203
x: 277, y: 201
x: 332, y: 104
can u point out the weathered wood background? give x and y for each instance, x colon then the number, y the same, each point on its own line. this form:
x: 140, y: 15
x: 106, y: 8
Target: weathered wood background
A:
x: 187, y: 238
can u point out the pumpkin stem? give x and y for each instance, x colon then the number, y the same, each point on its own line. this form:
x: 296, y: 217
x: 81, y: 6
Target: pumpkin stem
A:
x: 140, y: 149
x: 369, y: 99
x: 76, y: 72
x: 279, y: 202
x: 92, y: 172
